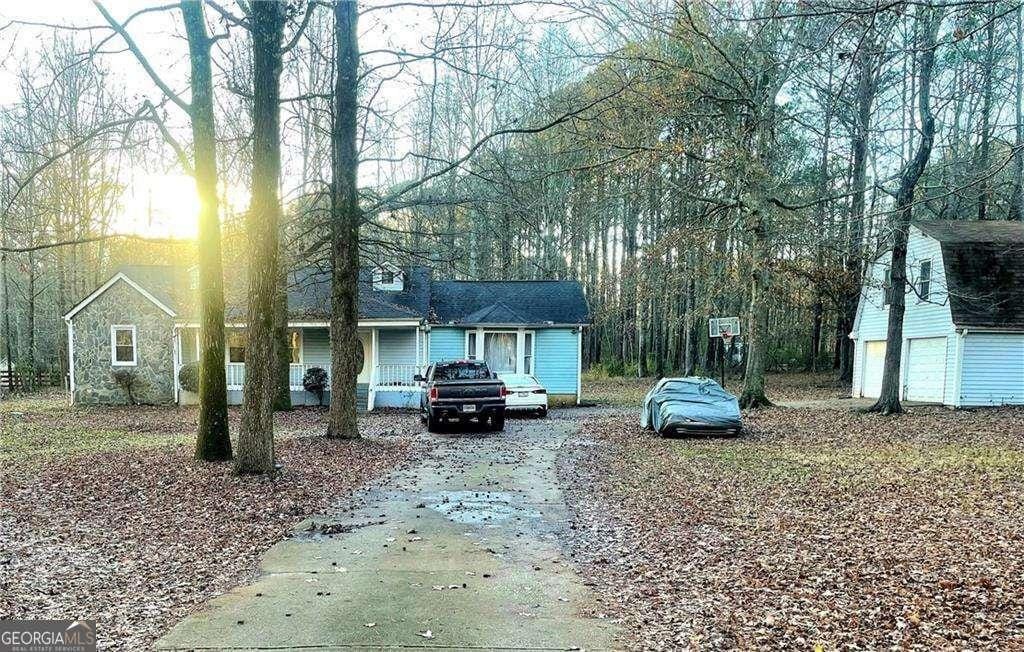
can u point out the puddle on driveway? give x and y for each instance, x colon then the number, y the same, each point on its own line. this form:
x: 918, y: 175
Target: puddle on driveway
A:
x: 478, y: 507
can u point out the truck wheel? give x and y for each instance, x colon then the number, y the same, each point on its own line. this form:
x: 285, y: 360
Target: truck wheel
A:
x: 432, y: 423
x: 498, y: 421
x: 541, y: 413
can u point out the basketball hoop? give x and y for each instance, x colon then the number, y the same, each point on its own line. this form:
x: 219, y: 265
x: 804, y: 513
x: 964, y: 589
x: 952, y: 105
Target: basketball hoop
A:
x: 726, y: 336
x: 724, y: 328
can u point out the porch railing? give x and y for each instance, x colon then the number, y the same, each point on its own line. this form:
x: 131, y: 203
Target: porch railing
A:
x: 389, y: 377
x: 395, y: 376
x: 296, y: 372
x: 235, y: 374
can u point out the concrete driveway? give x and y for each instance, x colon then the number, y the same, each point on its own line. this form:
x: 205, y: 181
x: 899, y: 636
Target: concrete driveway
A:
x: 458, y: 551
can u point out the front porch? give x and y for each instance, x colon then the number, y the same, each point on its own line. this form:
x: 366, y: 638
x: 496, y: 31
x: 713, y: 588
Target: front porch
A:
x: 392, y: 355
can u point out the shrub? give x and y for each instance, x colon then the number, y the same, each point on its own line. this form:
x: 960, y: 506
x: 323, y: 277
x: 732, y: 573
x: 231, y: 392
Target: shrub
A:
x: 188, y: 377
x: 128, y: 380
x: 315, y: 382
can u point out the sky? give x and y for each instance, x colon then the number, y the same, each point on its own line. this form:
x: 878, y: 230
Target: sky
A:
x: 157, y: 203
x: 161, y: 202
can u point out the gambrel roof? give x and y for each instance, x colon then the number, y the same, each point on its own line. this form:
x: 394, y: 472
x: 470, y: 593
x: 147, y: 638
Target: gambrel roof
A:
x: 984, y: 266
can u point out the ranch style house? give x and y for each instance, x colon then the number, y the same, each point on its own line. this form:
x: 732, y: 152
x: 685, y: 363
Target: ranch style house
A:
x: 144, y: 318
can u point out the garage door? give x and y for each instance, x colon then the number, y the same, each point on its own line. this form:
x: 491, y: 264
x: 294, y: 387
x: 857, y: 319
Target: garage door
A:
x: 925, y: 375
x: 874, y: 363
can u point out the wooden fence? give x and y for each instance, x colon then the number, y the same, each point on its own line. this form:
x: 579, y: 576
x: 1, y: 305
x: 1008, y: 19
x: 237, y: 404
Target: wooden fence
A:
x: 15, y: 381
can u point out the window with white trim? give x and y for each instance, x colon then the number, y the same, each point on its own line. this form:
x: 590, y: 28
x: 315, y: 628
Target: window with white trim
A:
x: 504, y: 350
x: 388, y: 278
x: 528, y: 353
x: 236, y: 346
x: 924, y: 280
x: 295, y: 346
x: 123, y: 351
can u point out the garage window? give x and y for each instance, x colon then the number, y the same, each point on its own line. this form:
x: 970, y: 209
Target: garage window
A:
x: 924, y: 280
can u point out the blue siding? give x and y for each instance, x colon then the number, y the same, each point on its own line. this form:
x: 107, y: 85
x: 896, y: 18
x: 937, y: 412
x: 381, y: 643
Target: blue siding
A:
x: 396, y: 346
x: 404, y: 399
x: 557, y: 359
x: 556, y: 352
x: 316, y: 346
x: 993, y: 369
x: 447, y: 343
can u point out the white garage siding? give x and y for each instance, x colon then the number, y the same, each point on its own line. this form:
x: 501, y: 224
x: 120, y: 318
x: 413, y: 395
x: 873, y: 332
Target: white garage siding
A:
x: 993, y: 369
x: 924, y: 372
x: 923, y: 319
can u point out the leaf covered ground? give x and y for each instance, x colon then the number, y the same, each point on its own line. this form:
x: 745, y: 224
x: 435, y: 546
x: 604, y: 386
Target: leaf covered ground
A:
x: 824, y: 527
x: 629, y: 392
x: 105, y: 515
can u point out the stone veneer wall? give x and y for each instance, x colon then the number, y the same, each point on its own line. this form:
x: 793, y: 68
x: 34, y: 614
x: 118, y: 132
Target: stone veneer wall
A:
x: 123, y: 304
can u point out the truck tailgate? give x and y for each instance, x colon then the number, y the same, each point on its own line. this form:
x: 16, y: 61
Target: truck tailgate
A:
x: 469, y: 389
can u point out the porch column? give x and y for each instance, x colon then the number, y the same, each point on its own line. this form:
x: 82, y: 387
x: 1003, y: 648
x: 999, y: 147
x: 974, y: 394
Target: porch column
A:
x: 417, y: 358
x: 370, y: 391
x: 520, y: 350
x: 579, y: 365
x: 175, y: 359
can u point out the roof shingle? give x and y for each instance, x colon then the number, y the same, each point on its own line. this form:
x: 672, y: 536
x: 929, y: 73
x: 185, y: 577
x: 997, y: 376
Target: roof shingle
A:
x: 984, y: 266
x: 457, y: 302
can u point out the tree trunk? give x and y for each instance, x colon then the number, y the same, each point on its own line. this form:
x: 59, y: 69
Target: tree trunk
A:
x: 866, y: 87
x: 256, y: 435
x: 8, y: 337
x: 984, y: 187
x: 1016, y: 211
x: 889, y: 399
x: 212, y: 441
x: 753, y: 395
x: 818, y: 308
x: 282, y: 341
x: 345, y: 217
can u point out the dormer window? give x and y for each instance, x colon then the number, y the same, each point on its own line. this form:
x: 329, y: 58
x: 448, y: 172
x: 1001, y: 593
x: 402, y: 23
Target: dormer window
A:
x: 388, y: 278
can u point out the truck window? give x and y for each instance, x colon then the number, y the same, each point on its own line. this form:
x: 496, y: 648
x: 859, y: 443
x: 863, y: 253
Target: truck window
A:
x: 462, y: 371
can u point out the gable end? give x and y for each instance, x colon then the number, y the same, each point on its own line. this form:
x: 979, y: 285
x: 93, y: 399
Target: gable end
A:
x: 120, y: 276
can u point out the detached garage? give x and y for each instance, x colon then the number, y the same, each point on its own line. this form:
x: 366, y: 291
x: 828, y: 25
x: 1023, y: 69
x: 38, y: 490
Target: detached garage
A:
x: 963, y: 328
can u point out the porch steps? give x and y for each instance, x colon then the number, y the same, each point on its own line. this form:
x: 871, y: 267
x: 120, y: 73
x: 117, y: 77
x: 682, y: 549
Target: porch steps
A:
x: 362, y: 396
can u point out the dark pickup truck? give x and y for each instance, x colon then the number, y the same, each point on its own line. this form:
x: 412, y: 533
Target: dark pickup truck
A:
x: 462, y: 391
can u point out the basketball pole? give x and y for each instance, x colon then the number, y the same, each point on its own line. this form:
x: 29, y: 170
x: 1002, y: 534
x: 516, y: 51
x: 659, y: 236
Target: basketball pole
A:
x: 724, y: 338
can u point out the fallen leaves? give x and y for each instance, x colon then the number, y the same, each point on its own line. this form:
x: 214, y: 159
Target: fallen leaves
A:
x: 137, y: 538
x: 820, y: 528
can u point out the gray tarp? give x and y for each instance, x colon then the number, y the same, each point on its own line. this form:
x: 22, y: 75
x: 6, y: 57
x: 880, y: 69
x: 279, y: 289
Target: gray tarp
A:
x: 692, y: 402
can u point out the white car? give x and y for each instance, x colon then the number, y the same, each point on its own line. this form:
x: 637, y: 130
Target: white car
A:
x: 525, y: 393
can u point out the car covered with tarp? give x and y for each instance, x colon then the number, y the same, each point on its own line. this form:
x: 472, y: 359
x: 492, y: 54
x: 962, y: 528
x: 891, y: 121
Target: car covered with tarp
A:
x: 690, y: 406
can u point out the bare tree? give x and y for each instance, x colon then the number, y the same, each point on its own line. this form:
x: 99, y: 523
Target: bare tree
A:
x: 889, y: 399
x: 345, y: 218
x: 256, y: 436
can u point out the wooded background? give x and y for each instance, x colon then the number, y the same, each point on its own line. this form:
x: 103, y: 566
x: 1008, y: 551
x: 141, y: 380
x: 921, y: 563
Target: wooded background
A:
x: 674, y: 157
